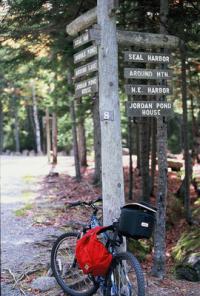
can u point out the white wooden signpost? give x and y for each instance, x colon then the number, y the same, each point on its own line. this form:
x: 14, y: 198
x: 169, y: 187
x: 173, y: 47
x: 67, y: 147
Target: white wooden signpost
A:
x: 106, y: 39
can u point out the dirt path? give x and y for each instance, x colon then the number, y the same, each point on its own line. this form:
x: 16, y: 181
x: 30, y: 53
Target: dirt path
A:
x: 22, y: 250
x: 27, y: 240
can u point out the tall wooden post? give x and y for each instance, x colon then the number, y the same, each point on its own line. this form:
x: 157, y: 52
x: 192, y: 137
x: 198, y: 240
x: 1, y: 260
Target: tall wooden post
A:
x: 111, y: 151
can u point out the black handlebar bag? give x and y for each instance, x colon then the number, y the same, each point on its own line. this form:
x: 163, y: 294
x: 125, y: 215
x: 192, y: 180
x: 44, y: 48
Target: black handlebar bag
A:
x: 137, y: 220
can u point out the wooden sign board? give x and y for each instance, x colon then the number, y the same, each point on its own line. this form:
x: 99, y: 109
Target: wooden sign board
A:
x: 144, y: 57
x: 86, y: 87
x: 83, y: 39
x: 86, y: 69
x: 138, y: 73
x: 133, y: 90
x: 85, y: 54
x: 148, y: 108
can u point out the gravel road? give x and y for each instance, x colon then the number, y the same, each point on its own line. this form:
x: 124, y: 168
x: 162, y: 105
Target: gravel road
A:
x: 19, y: 239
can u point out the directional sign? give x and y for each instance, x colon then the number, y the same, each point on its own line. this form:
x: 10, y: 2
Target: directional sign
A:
x: 85, y: 54
x: 148, y: 108
x: 144, y: 57
x: 86, y: 69
x: 147, y: 73
x: 132, y: 89
x: 86, y: 87
x: 83, y: 39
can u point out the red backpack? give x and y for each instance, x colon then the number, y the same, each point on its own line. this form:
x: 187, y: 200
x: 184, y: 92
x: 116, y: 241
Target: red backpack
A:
x: 91, y: 254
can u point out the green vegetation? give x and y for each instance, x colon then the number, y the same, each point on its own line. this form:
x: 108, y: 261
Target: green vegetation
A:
x: 141, y: 248
x: 23, y: 211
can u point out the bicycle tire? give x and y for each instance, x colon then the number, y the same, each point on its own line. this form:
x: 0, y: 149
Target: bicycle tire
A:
x: 135, y: 284
x: 63, y: 271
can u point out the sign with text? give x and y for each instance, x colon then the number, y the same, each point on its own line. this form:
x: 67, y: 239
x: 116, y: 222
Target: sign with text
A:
x: 86, y: 87
x: 133, y: 90
x: 139, y: 73
x: 83, y: 39
x: 144, y: 57
x: 85, y: 54
x: 148, y: 108
x: 86, y: 69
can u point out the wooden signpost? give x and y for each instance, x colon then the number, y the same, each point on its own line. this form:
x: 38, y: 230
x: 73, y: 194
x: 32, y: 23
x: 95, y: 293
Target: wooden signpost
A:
x: 86, y: 69
x: 89, y: 86
x: 86, y: 87
x: 85, y: 54
x: 106, y: 40
x: 144, y: 57
x: 139, y: 73
x: 150, y: 90
x: 148, y: 108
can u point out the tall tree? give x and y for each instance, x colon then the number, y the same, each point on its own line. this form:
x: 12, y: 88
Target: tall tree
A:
x: 36, y: 119
x: 130, y: 144
x: 16, y: 121
x: 185, y: 137
x: 159, y: 258
x: 54, y: 137
x: 75, y: 141
x: 1, y: 127
x: 97, y: 141
x: 81, y: 136
x: 48, y: 135
x: 144, y: 158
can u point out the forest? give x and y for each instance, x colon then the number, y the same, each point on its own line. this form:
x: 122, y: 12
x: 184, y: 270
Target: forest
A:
x: 41, y: 116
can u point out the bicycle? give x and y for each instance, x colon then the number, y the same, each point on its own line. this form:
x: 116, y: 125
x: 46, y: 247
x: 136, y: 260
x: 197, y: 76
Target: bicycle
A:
x: 124, y: 278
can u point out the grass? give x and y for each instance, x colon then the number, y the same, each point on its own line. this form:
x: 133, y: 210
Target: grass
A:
x: 23, y: 211
x: 28, y: 179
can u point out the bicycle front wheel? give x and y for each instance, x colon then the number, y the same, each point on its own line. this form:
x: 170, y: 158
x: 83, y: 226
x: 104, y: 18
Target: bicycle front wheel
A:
x: 125, y: 277
x: 65, y: 268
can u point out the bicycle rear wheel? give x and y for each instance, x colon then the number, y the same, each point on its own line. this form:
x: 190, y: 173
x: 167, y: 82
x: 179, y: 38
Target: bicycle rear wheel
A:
x: 125, y: 277
x: 65, y: 268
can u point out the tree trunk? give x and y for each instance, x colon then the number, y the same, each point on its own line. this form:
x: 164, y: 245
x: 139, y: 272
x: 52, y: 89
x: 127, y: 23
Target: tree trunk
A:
x: 54, y: 138
x: 82, y: 140
x: 153, y: 153
x: 111, y: 148
x: 144, y: 159
x: 159, y: 258
x: 130, y: 142
x: 36, y: 120
x: 195, y: 128
x: 48, y: 136
x: 75, y: 142
x: 16, y: 124
x: 138, y: 145
x: 1, y: 127
x: 97, y: 141
x: 185, y: 137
